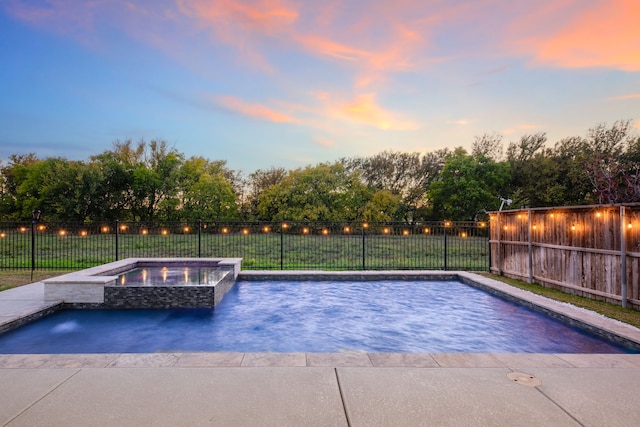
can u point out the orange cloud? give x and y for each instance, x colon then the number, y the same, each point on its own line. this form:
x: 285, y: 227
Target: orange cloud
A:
x: 625, y: 97
x: 324, y: 142
x: 518, y: 128
x: 364, y: 109
x: 257, y: 111
x: 604, y: 36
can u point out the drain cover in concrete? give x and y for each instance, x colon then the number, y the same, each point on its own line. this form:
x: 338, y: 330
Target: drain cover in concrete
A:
x: 524, y: 379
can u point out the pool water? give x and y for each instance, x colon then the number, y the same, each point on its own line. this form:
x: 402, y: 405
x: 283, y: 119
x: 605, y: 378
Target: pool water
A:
x: 173, y: 276
x: 312, y: 316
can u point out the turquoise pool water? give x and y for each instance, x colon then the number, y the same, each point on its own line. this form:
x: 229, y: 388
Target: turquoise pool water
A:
x: 316, y: 316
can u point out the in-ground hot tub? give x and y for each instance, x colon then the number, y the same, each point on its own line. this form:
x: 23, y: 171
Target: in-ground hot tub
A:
x: 147, y: 283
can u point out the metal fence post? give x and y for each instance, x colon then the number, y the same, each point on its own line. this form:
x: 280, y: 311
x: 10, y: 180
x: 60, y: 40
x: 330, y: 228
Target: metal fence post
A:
x: 282, y: 246
x: 117, y: 240
x: 33, y: 246
x: 199, y: 238
x: 445, y: 246
x: 363, y: 246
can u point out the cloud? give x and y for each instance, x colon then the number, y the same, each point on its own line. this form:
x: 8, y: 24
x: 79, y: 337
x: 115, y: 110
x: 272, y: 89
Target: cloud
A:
x: 323, y: 141
x: 364, y: 109
x: 256, y: 111
x: 519, y: 128
x: 603, y: 35
x: 624, y: 97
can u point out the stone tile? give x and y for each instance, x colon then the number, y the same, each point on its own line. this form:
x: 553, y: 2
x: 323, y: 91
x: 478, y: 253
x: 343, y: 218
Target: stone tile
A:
x: 467, y: 360
x: 20, y: 361
x: 193, y: 360
x: 524, y: 360
x: 339, y: 359
x: 78, y: 360
x: 632, y: 358
x: 599, y: 360
x: 386, y: 360
x: 274, y: 359
x: 146, y: 360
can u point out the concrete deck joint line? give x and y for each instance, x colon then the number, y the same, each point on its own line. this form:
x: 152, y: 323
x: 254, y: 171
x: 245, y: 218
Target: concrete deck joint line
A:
x: 342, y: 399
x: 550, y: 399
x: 43, y: 397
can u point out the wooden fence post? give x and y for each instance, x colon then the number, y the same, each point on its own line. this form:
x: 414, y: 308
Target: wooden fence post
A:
x: 623, y: 256
x: 530, y: 245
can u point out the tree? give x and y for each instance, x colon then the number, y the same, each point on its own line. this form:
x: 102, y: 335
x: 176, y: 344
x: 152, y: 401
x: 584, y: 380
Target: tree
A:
x: 469, y: 185
x: 210, y: 198
x: 407, y: 175
x: 488, y: 145
x: 259, y: 181
x: 383, y: 206
x: 326, y: 192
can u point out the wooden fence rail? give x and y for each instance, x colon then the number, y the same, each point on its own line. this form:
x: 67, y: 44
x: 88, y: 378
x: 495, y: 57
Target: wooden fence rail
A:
x: 591, y: 251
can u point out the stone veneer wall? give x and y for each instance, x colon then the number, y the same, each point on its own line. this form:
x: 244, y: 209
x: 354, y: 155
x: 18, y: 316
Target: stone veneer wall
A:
x: 196, y: 296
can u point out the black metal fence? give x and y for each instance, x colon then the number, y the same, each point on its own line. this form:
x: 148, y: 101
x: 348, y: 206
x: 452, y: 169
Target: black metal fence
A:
x: 261, y: 245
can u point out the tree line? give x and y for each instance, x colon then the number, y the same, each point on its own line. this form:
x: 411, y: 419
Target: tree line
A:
x: 151, y: 181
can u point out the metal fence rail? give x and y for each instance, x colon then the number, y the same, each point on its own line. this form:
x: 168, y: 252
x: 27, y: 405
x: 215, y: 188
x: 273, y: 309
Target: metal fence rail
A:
x: 262, y: 245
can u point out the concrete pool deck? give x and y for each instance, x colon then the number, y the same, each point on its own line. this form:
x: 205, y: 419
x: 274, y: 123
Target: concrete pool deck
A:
x: 296, y: 389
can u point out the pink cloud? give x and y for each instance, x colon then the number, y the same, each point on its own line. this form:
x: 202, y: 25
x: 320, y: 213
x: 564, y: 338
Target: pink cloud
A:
x: 256, y: 111
x: 604, y: 35
x: 323, y: 141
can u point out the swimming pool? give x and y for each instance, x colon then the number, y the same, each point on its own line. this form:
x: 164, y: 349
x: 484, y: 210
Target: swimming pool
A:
x: 402, y: 316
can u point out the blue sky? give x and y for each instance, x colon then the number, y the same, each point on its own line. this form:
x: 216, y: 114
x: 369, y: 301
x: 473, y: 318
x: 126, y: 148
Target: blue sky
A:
x: 263, y: 83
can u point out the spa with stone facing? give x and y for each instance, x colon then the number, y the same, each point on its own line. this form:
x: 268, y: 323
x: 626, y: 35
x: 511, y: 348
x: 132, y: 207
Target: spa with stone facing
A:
x: 106, y: 286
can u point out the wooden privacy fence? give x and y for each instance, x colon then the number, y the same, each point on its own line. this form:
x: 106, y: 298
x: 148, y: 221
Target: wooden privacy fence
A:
x: 591, y: 251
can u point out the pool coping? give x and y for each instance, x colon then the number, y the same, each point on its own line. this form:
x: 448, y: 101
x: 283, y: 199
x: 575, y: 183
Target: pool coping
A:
x: 609, y: 328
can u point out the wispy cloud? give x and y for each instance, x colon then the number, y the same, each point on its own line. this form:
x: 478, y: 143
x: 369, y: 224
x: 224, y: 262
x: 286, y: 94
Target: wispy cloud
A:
x: 364, y: 109
x: 256, y: 111
x: 624, y: 97
x: 519, y: 128
x: 324, y: 141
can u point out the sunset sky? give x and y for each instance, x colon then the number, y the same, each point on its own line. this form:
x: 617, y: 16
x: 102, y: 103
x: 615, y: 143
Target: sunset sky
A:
x: 264, y: 83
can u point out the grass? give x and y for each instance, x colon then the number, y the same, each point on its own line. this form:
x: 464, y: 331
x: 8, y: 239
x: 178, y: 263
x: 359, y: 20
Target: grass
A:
x: 12, y: 278
x: 612, y: 311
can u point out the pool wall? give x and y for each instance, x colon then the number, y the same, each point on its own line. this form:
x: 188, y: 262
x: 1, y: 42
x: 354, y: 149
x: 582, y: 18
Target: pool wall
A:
x: 97, y: 288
